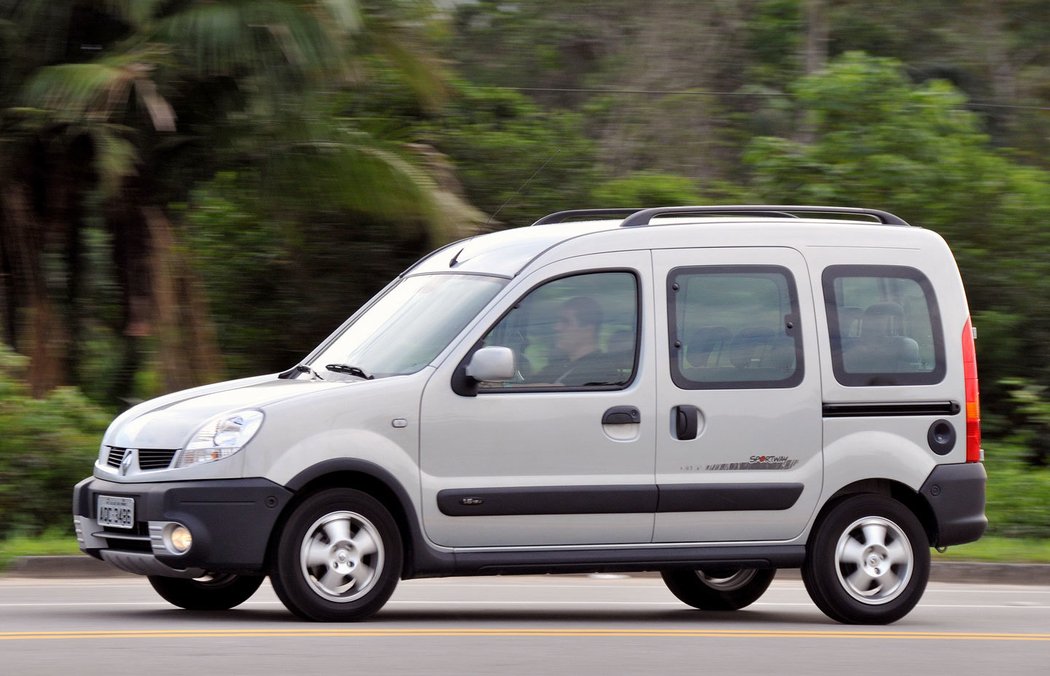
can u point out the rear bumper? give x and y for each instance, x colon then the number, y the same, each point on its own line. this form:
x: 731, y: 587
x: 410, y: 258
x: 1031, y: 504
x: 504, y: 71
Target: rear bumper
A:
x: 230, y: 520
x: 955, y: 493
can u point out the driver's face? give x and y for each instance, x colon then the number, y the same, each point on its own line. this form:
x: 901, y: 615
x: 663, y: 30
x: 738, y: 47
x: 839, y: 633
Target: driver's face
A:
x: 570, y: 332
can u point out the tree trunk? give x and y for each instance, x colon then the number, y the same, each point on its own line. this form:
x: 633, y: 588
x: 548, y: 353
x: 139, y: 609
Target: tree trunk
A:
x: 187, y: 343
x: 816, y: 36
x: 38, y: 329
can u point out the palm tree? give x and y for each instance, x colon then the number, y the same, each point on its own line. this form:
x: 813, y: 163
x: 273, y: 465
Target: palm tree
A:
x: 129, y: 102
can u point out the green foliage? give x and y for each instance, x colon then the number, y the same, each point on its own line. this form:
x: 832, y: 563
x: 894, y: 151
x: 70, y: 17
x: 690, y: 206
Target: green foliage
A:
x: 878, y: 139
x: 1030, y: 418
x: 646, y: 189
x: 280, y: 279
x: 516, y: 161
x: 995, y: 549
x: 774, y: 37
x: 46, y: 446
x: 53, y: 542
x: 1017, y: 493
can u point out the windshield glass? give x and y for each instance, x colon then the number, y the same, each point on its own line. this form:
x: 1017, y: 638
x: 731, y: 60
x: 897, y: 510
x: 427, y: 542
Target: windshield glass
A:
x: 407, y: 328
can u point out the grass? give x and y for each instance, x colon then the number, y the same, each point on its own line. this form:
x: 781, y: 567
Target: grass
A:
x: 1000, y: 550
x: 44, y: 545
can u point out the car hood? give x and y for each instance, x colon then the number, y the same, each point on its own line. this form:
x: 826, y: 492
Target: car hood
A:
x: 167, y: 422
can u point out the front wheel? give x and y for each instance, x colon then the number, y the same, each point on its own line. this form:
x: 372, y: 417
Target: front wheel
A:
x: 868, y: 561
x: 214, y: 592
x: 719, y: 589
x: 338, y: 557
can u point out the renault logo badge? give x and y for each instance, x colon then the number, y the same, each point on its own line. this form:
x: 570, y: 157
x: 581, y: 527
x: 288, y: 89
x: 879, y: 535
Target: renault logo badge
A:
x: 125, y: 462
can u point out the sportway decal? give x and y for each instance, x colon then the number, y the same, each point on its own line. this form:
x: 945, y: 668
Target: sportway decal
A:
x: 756, y: 462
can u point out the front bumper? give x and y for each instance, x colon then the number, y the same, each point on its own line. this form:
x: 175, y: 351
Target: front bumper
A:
x: 231, y: 521
x: 955, y: 493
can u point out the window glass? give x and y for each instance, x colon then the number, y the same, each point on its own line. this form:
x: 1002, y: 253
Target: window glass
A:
x: 884, y: 326
x: 410, y: 325
x: 734, y: 327
x: 578, y: 331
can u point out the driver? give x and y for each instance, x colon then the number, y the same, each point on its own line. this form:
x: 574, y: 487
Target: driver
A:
x: 579, y: 359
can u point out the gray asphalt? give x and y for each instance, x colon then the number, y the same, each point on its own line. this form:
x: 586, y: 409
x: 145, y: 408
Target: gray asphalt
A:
x: 516, y: 625
x: 941, y: 571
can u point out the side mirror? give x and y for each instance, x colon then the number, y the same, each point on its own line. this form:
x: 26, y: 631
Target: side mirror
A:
x: 491, y: 364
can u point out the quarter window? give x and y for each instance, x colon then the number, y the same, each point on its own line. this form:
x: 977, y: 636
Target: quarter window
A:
x: 734, y: 327
x: 884, y: 326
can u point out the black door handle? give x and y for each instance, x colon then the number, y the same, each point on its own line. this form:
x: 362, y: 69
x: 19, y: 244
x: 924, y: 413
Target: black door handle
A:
x: 687, y: 422
x: 622, y: 415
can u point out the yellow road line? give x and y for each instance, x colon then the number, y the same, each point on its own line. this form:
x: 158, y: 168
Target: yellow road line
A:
x: 515, y: 633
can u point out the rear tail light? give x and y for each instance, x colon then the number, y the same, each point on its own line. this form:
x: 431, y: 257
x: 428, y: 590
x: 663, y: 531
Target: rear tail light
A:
x: 973, y: 396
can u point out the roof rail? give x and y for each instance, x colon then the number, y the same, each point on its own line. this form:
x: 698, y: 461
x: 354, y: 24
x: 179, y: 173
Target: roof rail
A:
x: 562, y: 216
x: 645, y: 216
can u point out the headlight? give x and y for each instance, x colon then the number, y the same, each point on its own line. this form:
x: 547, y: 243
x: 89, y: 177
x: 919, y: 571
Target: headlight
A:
x: 220, y: 437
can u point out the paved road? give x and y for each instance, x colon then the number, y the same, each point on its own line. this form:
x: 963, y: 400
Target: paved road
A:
x: 516, y: 625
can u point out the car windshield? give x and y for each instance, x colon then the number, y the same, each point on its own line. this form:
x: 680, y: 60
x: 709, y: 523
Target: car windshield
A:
x: 408, y: 327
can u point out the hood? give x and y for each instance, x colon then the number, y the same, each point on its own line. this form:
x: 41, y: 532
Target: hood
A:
x: 168, y: 422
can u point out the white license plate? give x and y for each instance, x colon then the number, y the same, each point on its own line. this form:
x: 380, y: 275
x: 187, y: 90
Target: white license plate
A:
x: 116, y: 512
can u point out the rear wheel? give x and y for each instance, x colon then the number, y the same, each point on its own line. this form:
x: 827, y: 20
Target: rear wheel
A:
x: 868, y: 561
x: 214, y: 592
x: 338, y: 558
x: 719, y: 589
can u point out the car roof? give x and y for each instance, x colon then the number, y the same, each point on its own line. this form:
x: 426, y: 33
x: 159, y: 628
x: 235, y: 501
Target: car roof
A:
x: 506, y: 253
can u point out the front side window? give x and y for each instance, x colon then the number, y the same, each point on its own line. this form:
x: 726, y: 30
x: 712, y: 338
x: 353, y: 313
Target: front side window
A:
x: 734, y: 327
x: 572, y: 332
x: 884, y: 326
x: 408, y: 327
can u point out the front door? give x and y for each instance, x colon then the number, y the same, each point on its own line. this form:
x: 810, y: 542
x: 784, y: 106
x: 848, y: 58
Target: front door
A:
x: 739, y: 451
x: 563, y: 453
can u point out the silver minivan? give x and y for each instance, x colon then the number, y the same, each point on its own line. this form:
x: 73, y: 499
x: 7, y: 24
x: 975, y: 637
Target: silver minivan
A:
x: 713, y: 393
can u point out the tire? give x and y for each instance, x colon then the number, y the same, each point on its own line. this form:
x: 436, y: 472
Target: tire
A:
x: 868, y: 561
x: 217, y: 592
x: 338, y: 557
x: 719, y: 589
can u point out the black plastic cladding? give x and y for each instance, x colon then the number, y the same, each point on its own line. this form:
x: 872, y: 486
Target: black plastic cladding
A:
x: 562, y: 216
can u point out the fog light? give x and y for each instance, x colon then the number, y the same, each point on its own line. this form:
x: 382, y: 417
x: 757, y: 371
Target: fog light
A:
x: 179, y: 539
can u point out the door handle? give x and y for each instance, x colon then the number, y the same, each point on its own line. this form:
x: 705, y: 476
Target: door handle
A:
x: 687, y: 422
x: 622, y: 415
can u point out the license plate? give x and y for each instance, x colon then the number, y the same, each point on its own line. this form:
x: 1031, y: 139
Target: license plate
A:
x: 116, y: 512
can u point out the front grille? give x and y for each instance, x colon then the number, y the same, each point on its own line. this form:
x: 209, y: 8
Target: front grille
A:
x: 126, y: 544
x: 115, y: 456
x: 155, y: 458
x: 149, y: 458
x: 140, y: 531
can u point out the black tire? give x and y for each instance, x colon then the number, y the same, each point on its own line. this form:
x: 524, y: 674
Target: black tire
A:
x: 719, y: 589
x: 338, y: 557
x: 867, y: 561
x: 217, y: 592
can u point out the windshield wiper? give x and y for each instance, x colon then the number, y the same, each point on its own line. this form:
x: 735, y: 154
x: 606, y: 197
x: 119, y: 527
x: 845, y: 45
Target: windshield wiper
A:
x: 349, y: 370
x: 303, y: 368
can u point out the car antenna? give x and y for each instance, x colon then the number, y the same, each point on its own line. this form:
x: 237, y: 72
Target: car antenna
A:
x: 492, y: 217
x: 524, y: 185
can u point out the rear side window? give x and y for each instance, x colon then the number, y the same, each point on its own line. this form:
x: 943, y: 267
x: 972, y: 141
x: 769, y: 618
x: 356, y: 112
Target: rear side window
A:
x: 884, y: 325
x: 734, y: 327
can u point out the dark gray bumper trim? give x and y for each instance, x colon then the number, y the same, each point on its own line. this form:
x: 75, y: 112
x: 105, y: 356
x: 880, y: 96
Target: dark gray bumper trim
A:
x: 955, y: 493
x: 231, y: 519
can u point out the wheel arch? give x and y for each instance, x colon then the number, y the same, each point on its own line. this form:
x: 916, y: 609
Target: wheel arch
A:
x: 420, y: 559
x: 900, y: 492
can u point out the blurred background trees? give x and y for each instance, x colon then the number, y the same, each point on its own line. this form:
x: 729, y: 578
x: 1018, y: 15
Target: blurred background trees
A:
x: 112, y: 113
x: 199, y: 189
